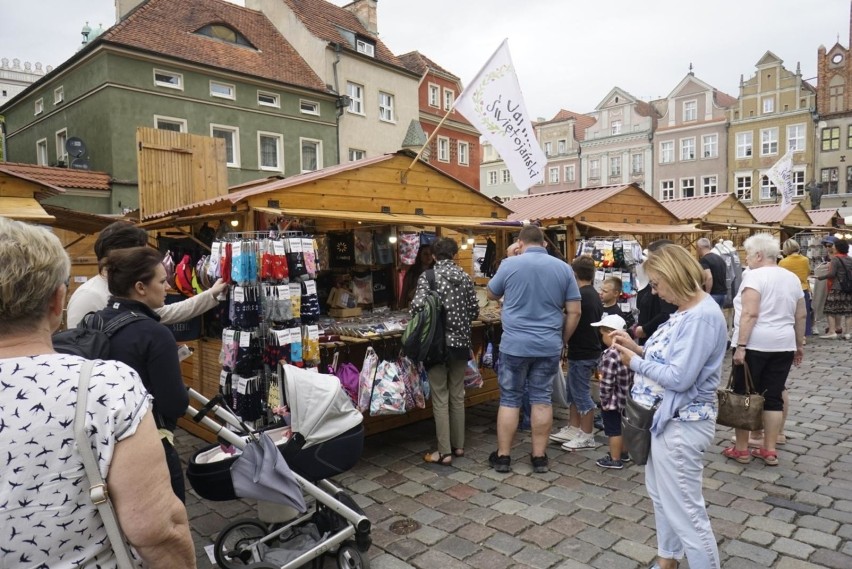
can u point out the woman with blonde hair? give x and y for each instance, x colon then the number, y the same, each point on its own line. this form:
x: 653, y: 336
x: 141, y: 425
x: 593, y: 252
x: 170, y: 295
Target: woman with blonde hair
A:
x: 39, y: 398
x: 800, y: 266
x: 679, y: 368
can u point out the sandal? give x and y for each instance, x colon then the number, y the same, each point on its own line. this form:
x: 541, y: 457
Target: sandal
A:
x: 741, y: 456
x: 443, y: 459
x: 459, y: 452
x: 769, y: 457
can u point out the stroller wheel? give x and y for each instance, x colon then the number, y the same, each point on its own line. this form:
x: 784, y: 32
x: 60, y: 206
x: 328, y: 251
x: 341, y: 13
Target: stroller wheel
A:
x: 234, y: 546
x: 350, y: 557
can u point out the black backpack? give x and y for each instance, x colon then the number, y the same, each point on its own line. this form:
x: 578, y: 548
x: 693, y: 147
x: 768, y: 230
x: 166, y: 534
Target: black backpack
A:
x: 90, y: 339
x: 423, y: 339
x: 843, y: 275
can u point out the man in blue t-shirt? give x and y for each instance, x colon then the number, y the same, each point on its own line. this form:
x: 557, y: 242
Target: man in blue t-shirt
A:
x: 541, y: 308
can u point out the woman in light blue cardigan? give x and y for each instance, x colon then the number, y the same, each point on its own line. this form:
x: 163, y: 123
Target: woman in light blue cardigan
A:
x: 679, y: 367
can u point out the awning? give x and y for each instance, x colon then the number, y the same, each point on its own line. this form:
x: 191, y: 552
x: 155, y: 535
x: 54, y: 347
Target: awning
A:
x: 641, y: 228
x: 807, y: 228
x: 79, y: 221
x: 740, y: 225
x: 389, y: 218
x: 24, y: 209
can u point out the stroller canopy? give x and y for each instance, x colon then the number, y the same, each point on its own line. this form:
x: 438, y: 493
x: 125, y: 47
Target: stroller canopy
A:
x: 319, y: 408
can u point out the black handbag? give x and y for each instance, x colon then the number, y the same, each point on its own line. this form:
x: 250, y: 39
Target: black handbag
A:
x: 636, y: 422
x: 740, y: 411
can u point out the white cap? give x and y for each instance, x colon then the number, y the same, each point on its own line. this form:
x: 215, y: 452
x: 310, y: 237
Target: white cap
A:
x: 613, y: 321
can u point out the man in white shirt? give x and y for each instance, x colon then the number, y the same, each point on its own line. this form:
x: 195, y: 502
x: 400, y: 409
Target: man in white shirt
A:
x: 94, y: 293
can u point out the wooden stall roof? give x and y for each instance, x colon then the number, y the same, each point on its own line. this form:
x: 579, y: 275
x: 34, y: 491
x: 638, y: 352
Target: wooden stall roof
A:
x: 79, y: 221
x: 369, y: 186
x: 823, y: 217
x: 791, y: 216
x: 17, y: 184
x: 641, y: 228
x: 24, y: 209
x: 59, y: 178
x: 387, y: 218
x: 610, y: 204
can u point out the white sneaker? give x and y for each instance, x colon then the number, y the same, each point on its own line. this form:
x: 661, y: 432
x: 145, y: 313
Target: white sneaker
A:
x: 832, y: 336
x: 583, y: 442
x: 565, y: 434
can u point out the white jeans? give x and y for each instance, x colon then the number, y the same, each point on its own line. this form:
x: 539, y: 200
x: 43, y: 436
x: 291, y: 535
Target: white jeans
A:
x: 673, y: 478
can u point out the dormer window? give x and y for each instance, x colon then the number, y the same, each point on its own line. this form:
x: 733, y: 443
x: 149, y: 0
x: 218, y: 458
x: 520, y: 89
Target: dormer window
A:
x: 224, y: 33
x: 365, y: 47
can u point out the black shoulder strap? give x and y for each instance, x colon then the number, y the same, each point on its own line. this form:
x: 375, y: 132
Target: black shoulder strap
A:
x: 120, y: 322
x: 430, y: 276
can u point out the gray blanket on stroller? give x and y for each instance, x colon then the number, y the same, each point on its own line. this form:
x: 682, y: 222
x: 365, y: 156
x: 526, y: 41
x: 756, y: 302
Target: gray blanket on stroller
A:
x: 292, y: 544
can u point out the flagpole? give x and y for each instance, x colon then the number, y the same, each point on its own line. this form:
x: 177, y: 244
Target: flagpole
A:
x: 403, y: 178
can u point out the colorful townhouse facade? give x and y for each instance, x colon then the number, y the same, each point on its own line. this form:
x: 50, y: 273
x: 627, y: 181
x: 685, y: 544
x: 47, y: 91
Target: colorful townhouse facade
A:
x: 560, y: 138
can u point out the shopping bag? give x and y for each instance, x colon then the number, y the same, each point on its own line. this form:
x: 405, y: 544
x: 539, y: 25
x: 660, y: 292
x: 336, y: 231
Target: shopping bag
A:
x: 366, y: 379
x: 560, y: 389
x: 472, y: 375
x: 636, y: 422
x: 411, y: 378
x: 388, y: 396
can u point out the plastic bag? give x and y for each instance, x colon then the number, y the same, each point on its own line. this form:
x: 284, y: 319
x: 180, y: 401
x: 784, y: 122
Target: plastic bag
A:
x: 366, y: 379
x: 388, y: 397
x: 472, y: 377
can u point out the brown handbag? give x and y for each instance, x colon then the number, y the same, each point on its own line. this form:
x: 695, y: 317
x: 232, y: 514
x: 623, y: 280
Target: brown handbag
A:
x: 740, y: 411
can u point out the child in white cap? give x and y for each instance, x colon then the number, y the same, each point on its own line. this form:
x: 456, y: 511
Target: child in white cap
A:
x: 616, y: 380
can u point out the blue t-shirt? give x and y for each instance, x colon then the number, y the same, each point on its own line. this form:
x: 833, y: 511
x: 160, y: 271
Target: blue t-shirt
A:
x: 535, y: 288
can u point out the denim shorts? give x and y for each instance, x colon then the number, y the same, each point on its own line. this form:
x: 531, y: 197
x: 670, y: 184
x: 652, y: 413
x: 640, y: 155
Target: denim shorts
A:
x: 579, y: 384
x: 535, y: 375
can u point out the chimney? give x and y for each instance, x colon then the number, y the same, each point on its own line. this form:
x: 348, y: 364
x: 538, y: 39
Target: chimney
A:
x: 365, y: 11
x: 124, y: 7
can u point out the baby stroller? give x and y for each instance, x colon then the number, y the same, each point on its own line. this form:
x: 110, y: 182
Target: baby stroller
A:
x: 282, y: 467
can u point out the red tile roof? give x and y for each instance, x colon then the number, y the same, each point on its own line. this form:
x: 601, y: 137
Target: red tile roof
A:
x: 554, y: 205
x: 581, y: 122
x: 822, y: 216
x: 65, y: 178
x: 167, y: 28
x: 723, y: 99
x: 694, y: 208
x: 324, y: 19
x: 420, y: 64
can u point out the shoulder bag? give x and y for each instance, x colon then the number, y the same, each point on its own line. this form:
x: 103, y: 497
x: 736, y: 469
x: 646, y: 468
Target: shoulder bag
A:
x: 636, y: 423
x: 740, y: 411
x: 98, y: 490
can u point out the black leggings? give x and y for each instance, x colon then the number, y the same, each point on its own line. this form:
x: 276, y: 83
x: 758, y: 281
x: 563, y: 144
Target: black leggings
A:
x: 175, y: 470
x: 769, y: 371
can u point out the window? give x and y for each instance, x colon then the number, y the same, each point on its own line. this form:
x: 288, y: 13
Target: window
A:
x: 768, y: 105
x: 615, y: 127
x: 667, y: 190
x: 709, y: 185
x: 449, y: 99
x: 561, y: 147
x: 269, y: 145
x: 311, y: 154
x: 667, y: 152
x: 61, y: 138
x: 553, y: 175
x: 687, y: 187
x: 58, y: 95
x: 743, y: 183
x: 464, y: 153
x: 849, y: 137
x: 687, y: 148
x: 614, y: 166
x: 569, y: 173
x: 710, y: 146
x: 434, y: 95
x: 309, y: 107
x: 39, y: 106
x: 831, y: 138
x: 365, y: 47
x: 828, y: 177
x: 835, y: 94
x: 744, y: 144
x: 506, y: 176
x: 41, y: 152
x: 690, y: 111
x: 492, y: 178
x: 548, y: 148
x: 796, y: 137
x: 268, y: 99
x: 768, y: 141
x: 385, y: 107
x: 799, y: 183
x: 224, y: 33
x: 170, y: 123
x: 443, y: 149
x: 231, y: 136
x: 168, y: 79
x: 356, y: 98
x: 767, y: 188
x: 594, y: 169
x: 222, y: 90
x: 355, y: 154
x: 637, y: 164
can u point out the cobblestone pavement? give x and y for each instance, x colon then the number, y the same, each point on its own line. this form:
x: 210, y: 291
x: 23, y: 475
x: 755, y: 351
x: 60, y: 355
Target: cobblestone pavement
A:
x: 797, y: 515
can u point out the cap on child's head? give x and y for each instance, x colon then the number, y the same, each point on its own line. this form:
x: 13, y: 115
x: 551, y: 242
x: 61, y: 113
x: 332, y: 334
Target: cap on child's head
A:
x: 613, y: 321
x: 829, y: 240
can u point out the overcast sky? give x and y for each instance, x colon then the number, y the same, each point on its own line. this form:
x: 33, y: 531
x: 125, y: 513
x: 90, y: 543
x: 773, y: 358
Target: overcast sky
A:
x: 567, y: 53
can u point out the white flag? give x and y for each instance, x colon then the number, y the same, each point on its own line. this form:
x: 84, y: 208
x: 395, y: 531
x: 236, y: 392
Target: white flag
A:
x: 781, y: 174
x: 493, y: 103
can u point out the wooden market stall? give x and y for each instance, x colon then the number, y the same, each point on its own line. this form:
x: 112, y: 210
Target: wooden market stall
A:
x: 829, y: 218
x: 723, y: 215
x: 20, y: 195
x: 388, y: 193
x: 783, y: 222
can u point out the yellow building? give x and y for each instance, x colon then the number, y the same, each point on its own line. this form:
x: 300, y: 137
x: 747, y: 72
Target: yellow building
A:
x: 774, y: 112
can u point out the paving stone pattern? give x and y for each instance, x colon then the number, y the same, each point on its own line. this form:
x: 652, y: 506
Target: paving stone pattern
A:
x: 797, y: 515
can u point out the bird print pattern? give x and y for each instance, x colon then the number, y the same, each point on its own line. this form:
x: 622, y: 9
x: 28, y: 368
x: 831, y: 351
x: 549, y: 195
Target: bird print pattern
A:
x: 46, y: 517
